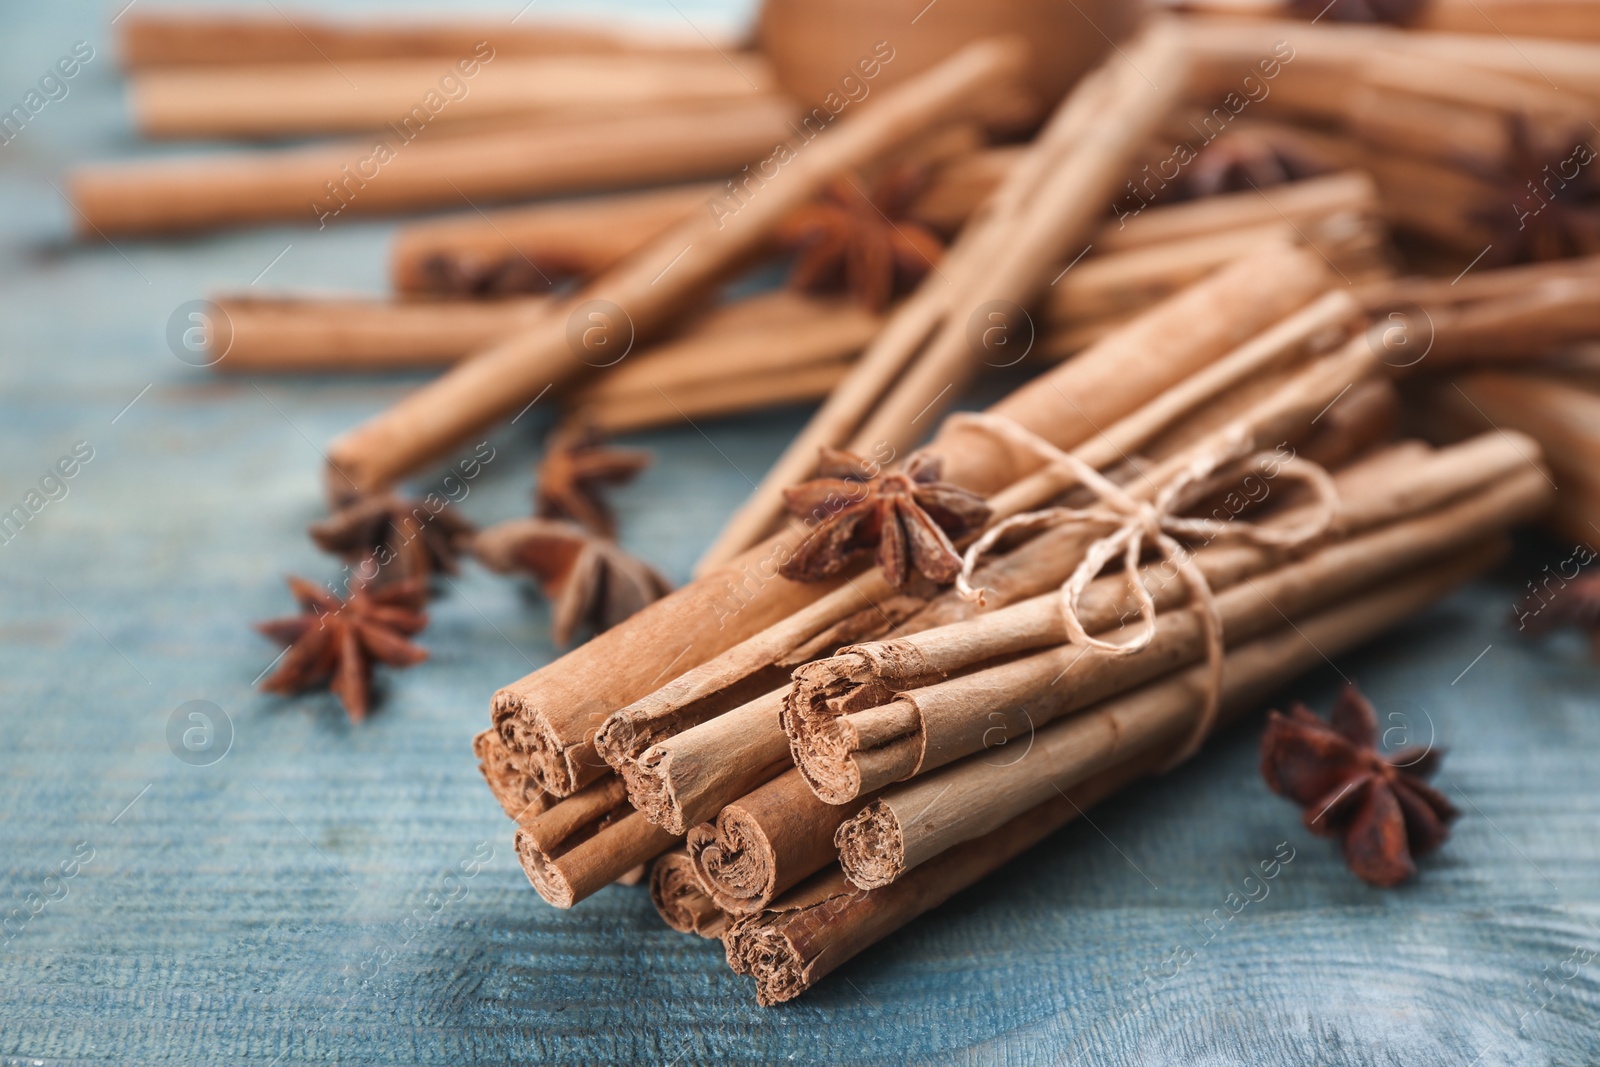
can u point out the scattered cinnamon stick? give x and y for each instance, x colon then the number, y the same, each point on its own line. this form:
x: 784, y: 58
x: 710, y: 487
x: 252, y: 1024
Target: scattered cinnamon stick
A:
x: 325, y: 184
x: 392, y: 95
x: 176, y: 38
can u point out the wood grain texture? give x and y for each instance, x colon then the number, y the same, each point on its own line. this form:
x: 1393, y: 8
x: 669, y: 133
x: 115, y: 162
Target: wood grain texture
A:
x: 253, y: 911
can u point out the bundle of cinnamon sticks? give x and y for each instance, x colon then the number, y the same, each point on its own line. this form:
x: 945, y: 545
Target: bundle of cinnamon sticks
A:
x: 774, y: 746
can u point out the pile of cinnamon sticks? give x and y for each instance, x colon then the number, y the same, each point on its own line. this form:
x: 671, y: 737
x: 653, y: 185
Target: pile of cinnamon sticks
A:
x: 901, y: 666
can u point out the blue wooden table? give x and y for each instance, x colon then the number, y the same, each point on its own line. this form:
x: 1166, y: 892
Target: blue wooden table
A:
x: 280, y: 896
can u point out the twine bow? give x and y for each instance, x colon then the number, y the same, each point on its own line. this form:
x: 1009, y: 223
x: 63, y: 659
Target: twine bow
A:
x: 1131, y: 523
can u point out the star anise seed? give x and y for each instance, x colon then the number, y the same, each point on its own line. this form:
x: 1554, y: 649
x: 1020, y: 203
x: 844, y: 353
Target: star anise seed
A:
x: 1540, y: 211
x: 576, y: 465
x: 1576, y: 604
x: 589, y: 579
x: 1252, y: 157
x: 908, y: 517
x: 337, y: 642
x: 398, y: 540
x: 476, y: 274
x: 1377, y: 803
x: 867, y: 245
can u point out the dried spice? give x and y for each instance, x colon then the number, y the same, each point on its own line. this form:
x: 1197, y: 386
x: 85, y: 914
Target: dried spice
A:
x: 908, y: 517
x: 464, y: 274
x: 1548, y: 205
x: 1398, y: 12
x: 1378, y: 804
x: 393, y: 540
x: 337, y: 642
x: 1252, y: 157
x: 588, y: 578
x: 1576, y: 604
x: 576, y: 465
x: 869, y: 246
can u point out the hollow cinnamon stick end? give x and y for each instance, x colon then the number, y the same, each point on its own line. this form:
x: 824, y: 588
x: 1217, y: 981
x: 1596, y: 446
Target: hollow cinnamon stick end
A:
x: 517, y: 793
x: 871, y: 847
x: 543, y: 873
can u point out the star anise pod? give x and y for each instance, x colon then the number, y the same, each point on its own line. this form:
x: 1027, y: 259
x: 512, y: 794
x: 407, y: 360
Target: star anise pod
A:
x: 867, y: 245
x: 1399, y: 12
x: 1252, y: 157
x: 478, y: 275
x: 908, y: 517
x: 337, y: 642
x: 1576, y: 604
x: 588, y: 578
x: 1547, y: 203
x: 1377, y: 803
x: 576, y: 465
x: 398, y: 540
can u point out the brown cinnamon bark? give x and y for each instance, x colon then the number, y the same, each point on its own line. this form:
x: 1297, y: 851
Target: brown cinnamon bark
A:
x: 196, y: 38
x: 317, y: 98
x: 1561, y: 415
x: 680, y: 899
x: 297, y: 334
x: 326, y: 184
x: 821, y: 923
x: 519, y: 796
x: 586, y: 842
x: 764, y: 843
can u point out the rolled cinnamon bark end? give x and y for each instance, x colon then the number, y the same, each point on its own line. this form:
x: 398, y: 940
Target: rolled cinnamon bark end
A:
x: 872, y: 848
x: 845, y: 756
x: 517, y: 793
x: 689, y: 777
x: 680, y: 899
x: 568, y: 859
x: 765, y: 843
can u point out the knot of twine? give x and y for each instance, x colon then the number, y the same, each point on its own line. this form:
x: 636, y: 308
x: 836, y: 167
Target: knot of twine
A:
x: 1130, y: 523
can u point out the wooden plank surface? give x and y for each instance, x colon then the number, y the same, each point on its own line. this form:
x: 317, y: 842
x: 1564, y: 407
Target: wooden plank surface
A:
x: 254, y: 910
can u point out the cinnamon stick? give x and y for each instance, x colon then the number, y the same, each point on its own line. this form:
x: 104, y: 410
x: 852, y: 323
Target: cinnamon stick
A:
x: 586, y: 842
x: 824, y: 922
x: 518, y: 795
x: 194, y: 38
x: 255, y: 335
x: 1562, y: 416
x: 681, y: 900
x: 327, y: 183
x: 762, y: 844
x: 650, y: 286
x: 393, y: 95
